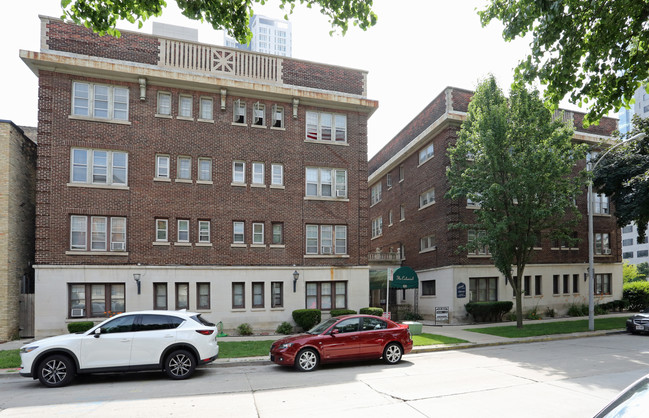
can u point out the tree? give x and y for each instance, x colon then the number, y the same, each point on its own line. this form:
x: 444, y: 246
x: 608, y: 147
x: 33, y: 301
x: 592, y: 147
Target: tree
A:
x: 517, y: 164
x: 643, y: 270
x: 623, y: 175
x: 231, y: 15
x: 595, y: 50
x: 630, y: 273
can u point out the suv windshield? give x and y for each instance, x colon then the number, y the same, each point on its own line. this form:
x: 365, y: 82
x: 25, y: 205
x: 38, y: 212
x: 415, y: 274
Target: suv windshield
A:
x: 322, y: 326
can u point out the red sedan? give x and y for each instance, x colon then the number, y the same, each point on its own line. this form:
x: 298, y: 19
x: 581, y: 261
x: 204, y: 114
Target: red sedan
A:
x: 344, y: 338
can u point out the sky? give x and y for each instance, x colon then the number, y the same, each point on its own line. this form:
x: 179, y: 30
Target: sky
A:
x: 417, y: 48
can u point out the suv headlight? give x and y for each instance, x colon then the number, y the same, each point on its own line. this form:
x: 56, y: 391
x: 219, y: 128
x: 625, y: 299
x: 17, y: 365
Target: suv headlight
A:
x: 28, y: 349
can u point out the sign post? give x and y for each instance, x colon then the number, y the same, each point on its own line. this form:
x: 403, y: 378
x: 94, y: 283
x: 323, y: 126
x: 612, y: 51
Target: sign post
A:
x: 441, y: 313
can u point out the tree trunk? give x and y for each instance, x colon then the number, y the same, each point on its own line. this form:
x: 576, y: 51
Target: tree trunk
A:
x: 519, y: 296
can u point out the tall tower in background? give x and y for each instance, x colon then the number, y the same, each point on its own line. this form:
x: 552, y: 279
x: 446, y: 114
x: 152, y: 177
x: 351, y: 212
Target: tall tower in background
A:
x: 269, y: 36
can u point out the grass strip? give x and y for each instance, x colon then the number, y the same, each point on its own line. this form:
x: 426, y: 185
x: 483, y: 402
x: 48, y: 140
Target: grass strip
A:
x: 432, y: 339
x: 233, y: 349
x: 9, y: 359
x: 550, y: 328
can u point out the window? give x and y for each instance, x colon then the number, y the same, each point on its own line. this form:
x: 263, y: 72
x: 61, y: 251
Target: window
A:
x: 627, y: 242
x: 426, y: 153
x: 258, y: 173
x: 388, y: 180
x: 103, y: 230
x: 575, y: 283
x: 377, y: 227
x: 164, y: 103
x: 238, y: 172
x: 258, y: 233
x: 205, y: 169
x: 390, y: 217
x: 259, y: 114
x: 161, y: 230
x: 183, y: 230
x: 184, y: 171
x: 375, y: 194
x: 100, y: 101
x: 526, y: 285
x: 277, y: 289
x: 321, y: 127
x: 602, y: 244
x: 238, y: 295
x: 239, y: 112
x: 320, y: 239
x: 427, y: 243
x: 601, y: 204
x: 627, y: 229
x: 326, y: 182
x: 483, y: 289
x: 162, y: 166
x: 642, y: 253
x: 182, y: 296
x: 427, y: 198
x: 474, y: 201
x: 278, y: 233
x: 566, y: 283
x: 203, y: 231
x: 185, y: 106
x: 538, y: 285
x: 602, y: 284
x: 257, y: 295
x: 402, y: 212
x: 627, y: 255
x: 401, y: 173
x: 428, y: 288
x: 326, y: 295
x: 555, y: 284
x: 96, y: 300
x: 202, y: 295
x: 237, y: 232
x: 278, y: 117
x: 207, y: 106
x: 160, y: 296
x: 99, y: 167
x: 476, y: 236
x: 277, y: 175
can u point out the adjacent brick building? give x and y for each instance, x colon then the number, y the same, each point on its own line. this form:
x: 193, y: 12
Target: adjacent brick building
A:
x: 410, y: 216
x: 17, y: 200
x: 173, y: 174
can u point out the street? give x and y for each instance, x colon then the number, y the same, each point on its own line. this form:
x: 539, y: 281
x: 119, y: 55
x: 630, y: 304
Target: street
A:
x: 568, y: 378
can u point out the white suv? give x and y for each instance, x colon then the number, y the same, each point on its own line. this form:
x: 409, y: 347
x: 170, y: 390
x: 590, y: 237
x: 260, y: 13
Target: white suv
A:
x: 173, y: 341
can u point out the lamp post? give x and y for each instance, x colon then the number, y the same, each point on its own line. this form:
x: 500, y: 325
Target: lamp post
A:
x: 296, y: 276
x: 591, y: 235
x: 136, y: 277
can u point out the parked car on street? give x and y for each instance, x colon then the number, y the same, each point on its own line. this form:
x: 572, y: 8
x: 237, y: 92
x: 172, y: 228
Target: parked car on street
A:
x: 344, y: 338
x: 638, y: 323
x: 173, y: 341
x: 632, y: 402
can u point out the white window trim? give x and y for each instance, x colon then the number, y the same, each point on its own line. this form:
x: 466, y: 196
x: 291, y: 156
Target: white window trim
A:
x: 421, y: 162
x: 275, y: 109
x: 334, y: 248
x: 179, y: 230
x: 259, y: 108
x: 428, y: 247
x: 234, y: 233
x: 166, y: 230
x: 157, y: 167
x: 243, y: 171
x: 91, y: 103
x: 198, y: 173
x: 88, y: 231
x: 376, y: 194
x: 377, y: 227
x: 191, y: 107
x: 430, y: 203
x: 158, y: 114
x: 110, y: 166
x: 334, y: 185
x: 254, y: 241
x: 253, y: 182
x: 237, y: 108
x: 179, y: 179
x: 319, y: 129
x: 201, y: 100
x: 272, y: 176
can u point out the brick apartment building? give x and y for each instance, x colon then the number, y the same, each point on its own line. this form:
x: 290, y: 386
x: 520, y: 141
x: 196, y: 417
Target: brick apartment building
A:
x: 410, y: 216
x: 17, y: 198
x: 173, y: 174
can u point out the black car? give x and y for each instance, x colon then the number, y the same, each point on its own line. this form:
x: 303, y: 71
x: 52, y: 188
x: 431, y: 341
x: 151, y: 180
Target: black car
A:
x: 638, y: 323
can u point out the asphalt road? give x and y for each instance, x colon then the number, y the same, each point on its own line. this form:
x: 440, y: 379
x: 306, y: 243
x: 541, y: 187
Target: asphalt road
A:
x: 568, y: 378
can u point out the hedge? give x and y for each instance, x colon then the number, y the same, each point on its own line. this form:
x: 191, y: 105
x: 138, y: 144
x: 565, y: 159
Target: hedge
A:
x: 371, y: 311
x: 78, y: 327
x: 616, y: 305
x: 307, y: 318
x: 488, y: 311
x: 637, y: 293
x: 339, y: 312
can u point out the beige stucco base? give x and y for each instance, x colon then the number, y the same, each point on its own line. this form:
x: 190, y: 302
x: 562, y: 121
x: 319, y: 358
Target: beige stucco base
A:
x: 448, y: 278
x: 51, y: 311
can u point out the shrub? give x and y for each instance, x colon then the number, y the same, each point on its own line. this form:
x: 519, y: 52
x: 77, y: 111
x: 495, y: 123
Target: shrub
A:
x: 338, y: 312
x: 578, y: 310
x: 488, y: 311
x: 616, y: 305
x: 371, y: 311
x: 306, y: 318
x: 284, y: 328
x: 411, y: 316
x: 549, y: 312
x: 533, y: 315
x: 637, y: 293
x: 244, y: 329
x: 600, y: 309
x: 78, y: 327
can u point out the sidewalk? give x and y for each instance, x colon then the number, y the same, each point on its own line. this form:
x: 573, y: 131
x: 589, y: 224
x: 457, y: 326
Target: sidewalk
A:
x: 474, y: 339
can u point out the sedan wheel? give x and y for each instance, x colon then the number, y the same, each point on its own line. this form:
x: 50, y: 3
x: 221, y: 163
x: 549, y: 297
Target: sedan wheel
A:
x: 56, y: 371
x: 392, y: 353
x: 180, y: 365
x: 307, y: 360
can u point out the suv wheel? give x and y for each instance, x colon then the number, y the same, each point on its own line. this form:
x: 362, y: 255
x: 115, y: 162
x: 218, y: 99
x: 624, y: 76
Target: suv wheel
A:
x: 180, y: 364
x: 56, y: 371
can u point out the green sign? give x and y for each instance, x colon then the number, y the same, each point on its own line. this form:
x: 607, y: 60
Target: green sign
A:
x: 404, y: 278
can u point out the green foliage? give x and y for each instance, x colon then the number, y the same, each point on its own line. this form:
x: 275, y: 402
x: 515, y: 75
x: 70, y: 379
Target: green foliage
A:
x: 78, y: 327
x: 231, y: 15
x: 580, y: 309
x: 244, y: 329
x: 307, y: 318
x: 592, y: 50
x: 637, y: 293
x: 615, y: 305
x: 630, y: 273
x: 411, y: 316
x: 284, y: 328
x: 643, y: 270
x: 517, y: 163
x: 371, y: 311
x: 488, y: 311
x: 549, y: 312
x: 533, y: 315
x: 339, y: 312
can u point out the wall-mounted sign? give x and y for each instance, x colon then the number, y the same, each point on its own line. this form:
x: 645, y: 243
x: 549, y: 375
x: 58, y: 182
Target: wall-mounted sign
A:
x: 461, y: 290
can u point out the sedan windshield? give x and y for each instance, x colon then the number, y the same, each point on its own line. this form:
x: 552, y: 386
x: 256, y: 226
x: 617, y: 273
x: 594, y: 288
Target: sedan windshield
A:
x: 322, y: 326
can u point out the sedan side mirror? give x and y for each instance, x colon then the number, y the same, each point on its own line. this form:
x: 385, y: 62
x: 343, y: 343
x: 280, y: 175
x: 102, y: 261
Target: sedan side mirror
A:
x: 97, y: 332
x: 334, y: 331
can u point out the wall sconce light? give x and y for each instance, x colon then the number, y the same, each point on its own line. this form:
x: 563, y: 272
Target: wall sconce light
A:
x: 224, y: 93
x: 296, y: 102
x: 136, y: 277
x: 296, y: 276
x: 142, y: 82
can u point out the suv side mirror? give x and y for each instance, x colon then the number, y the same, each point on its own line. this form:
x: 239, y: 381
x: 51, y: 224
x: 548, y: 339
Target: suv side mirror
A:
x: 97, y: 332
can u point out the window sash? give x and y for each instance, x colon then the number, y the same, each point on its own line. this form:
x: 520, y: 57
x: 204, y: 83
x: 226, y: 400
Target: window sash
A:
x: 182, y: 296
x: 160, y: 296
x: 183, y: 230
x: 277, y: 175
x: 427, y: 153
x: 239, y: 110
x: 258, y: 295
x: 205, y: 169
x: 278, y: 117
x: 92, y: 166
x: 99, y: 100
x: 238, y: 172
x: 326, y: 295
x: 162, y: 230
x: 278, y: 233
x: 257, y: 233
x: 238, y: 232
x: 375, y: 194
x: 117, y: 234
x: 326, y: 127
x: 277, y: 297
x: 238, y: 295
x: 259, y: 114
x: 78, y: 232
x: 203, y: 231
x: 257, y: 173
x: 97, y: 300
x: 377, y: 227
x: 326, y: 182
x: 98, y: 233
x: 164, y: 103
x: 427, y: 198
x: 207, y: 108
x: 162, y: 166
x: 184, y: 168
x: 203, y: 295
x: 185, y: 106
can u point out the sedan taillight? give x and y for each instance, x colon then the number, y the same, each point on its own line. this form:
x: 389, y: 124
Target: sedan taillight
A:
x: 205, y: 331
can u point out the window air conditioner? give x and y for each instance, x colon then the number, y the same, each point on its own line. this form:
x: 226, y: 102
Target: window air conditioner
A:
x: 77, y: 312
x: 117, y: 246
x: 341, y: 193
x: 326, y: 250
x: 607, y: 251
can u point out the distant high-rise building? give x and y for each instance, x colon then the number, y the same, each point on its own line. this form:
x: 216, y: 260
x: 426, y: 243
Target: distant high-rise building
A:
x: 640, y: 108
x: 269, y: 36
